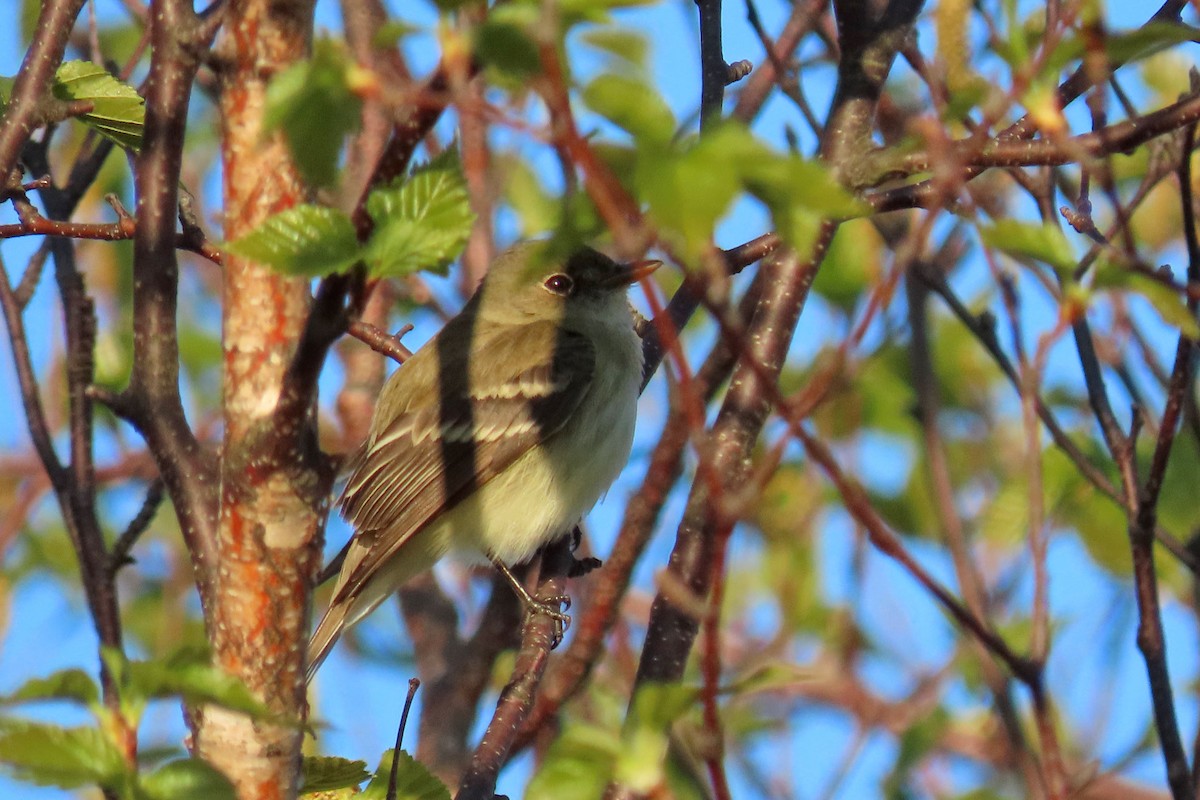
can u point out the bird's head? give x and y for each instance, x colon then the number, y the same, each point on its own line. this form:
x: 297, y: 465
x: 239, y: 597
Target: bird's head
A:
x: 531, y: 282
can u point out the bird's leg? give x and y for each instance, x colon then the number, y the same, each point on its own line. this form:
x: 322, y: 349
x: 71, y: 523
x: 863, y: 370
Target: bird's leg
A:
x: 552, y: 607
x: 580, y: 566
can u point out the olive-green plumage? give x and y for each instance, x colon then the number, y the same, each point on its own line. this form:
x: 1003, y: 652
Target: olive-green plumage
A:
x: 496, y: 436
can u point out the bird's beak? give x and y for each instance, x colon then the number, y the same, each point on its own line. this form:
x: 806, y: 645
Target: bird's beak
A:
x: 635, y: 271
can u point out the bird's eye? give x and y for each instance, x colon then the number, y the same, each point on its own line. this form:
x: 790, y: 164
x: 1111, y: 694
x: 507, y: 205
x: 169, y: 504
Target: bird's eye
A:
x: 559, y: 284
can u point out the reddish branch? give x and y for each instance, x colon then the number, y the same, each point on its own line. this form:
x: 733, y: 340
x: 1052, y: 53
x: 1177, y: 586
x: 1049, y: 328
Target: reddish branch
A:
x: 972, y: 584
x: 928, y: 192
x: 37, y: 225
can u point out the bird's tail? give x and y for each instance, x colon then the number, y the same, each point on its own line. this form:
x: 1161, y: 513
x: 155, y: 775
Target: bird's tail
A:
x: 325, y: 637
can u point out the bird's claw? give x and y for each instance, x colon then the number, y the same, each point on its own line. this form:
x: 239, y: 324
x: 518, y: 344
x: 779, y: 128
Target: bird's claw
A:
x: 555, y: 608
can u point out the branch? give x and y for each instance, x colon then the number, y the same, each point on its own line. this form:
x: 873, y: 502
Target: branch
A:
x: 774, y: 70
x: 921, y: 194
x: 34, y: 224
x: 339, y: 298
x: 26, y: 107
x: 153, y: 399
x: 868, y: 48
x: 1119, y: 138
x: 983, y: 329
x: 971, y: 582
x: 517, y: 698
x: 673, y: 629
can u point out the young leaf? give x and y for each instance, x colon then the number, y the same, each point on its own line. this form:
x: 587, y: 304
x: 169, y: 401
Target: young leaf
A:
x: 1045, y: 243
x: 688, y: 192
x: 187, y: 779
x: 1168, y: 303
x: 315, y: 104
x: 118, y: 112
x: 413, y: 780
x: 641, y: 764
x: 328, y: 773
x: 1162, y: 298
x: 67, y: 684
x: 504, y: 41
x: 578, y: 765
x: 53, y: 756
x: 422, y: 224
x: 191, y: 677
x: 305, y: 240
x: 633, y: 106
x: 627, y: 46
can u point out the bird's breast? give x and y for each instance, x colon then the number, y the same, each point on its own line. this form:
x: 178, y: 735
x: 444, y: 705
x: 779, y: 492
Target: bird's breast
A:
x: 550, y: 488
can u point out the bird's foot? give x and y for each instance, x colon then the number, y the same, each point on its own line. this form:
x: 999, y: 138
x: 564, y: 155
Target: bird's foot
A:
x: 553, y: 607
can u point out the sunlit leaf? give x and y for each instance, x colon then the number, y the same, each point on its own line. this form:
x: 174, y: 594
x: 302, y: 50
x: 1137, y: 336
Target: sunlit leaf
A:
x: 119, y: 113
x: 188, y: 674
x: 633, y: 106
x: 423, y: 223
x: 1045, y: 243
x: 53, y: 756
x: 326, y: 773
x: 413, y: 780
x: 316, y: 104
x: 67, y: 684
x: 577, y: 766
x: 304, y: 240
x: 625, y: 44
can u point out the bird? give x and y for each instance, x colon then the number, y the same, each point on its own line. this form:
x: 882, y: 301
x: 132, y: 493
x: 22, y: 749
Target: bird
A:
x: 498, y: 435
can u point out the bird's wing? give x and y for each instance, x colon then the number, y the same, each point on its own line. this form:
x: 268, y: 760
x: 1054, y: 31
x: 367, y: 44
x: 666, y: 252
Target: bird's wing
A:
x: 436, y: 453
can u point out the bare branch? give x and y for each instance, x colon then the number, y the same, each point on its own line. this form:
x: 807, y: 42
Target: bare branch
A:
x: 27, y: 106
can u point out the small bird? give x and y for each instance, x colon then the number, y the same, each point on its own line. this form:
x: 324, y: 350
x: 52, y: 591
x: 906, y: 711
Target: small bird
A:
x: 499, y: 434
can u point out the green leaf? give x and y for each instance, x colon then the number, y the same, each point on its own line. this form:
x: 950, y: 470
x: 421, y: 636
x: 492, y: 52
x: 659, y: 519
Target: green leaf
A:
x: 118, y: 112
x: 784, y: 180
x: 641, y: 764
x: 538, y: 209
x: 68, y: 684
x: 506, y: 41
x: 187, y: 779
x: 625, y: 44
x: 575, y: 11
x: 1045, y: 243
x: 188, y: 674
x: 657, y: 705
x: 328, y: 773
x: 65, y: 757
x: 1122, y: 47
x: 577, y: 766
x: 851, y: 264
x: 633, y: 106
x: 422, y: 224
x: 774, y: 677
x: 1100, y: 521
x: 305, y: 240
x: 315, y: 105
x: 688, y: 192
x: 413, y: 780
x: 1167, y: 302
